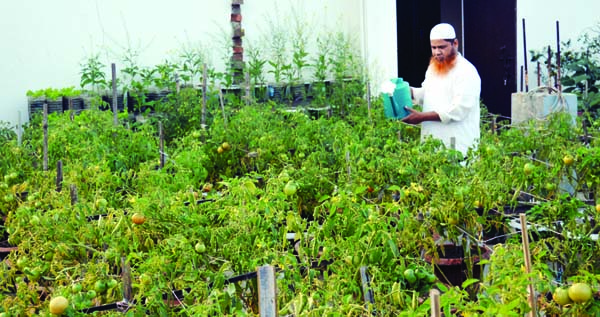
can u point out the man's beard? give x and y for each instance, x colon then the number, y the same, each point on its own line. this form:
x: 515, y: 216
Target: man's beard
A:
x: 444, y: 66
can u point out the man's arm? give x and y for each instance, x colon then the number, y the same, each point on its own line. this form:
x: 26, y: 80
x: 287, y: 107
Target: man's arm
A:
x: 416, y: 117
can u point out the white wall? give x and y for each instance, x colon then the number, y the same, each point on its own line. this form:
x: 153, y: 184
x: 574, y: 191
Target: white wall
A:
x: 44, y: 42
x: 575, y: 17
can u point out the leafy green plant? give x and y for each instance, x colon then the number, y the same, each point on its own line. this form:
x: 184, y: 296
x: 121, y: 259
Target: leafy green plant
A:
x: 93, y: 74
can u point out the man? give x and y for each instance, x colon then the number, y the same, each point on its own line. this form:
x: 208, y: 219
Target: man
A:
x: 449, y: 94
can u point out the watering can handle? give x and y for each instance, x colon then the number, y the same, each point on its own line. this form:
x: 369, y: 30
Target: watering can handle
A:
x: 393, y: 106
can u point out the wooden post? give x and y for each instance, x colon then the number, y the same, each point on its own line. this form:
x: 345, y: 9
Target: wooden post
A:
x: 267, y: 291
x: 222, y: 103
x: 126, y: 277
x: 73, y: 192
x: 247, y: 82
x: 494, y: 124
x: 434, y: 296
x: 527, y: 256
x: 203, y: 122
x: 453, y: 143
x: 19, y: 130
x: 369, y: 98
x: 399, y: 136
x: 177, y: 86
x: 161, y: 136
x: 59, y: 175
x: 114, y: 93
x: 45, y: 128
x: 348, y: 165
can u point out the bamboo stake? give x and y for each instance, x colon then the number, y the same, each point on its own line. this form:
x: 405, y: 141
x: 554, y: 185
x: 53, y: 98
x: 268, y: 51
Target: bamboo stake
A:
x: 348, y: 165
x: 369, y: 99
x: 527, y: 256
x: 114, y: 93
x: 549, y: 69
x: 436, y: 310
x: 73, y: 193
x: 161, y: 136
x: 59, y: 175
x: 203, y: 122
x: 45, y: 128
x: 247, y: 84
x: 267, y: 291
x: 222, y: 103
x: 126, y: 276
x: 20, y: 131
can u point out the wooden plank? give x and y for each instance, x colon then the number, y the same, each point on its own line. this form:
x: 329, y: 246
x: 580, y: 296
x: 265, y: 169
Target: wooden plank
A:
x: 267, y: 291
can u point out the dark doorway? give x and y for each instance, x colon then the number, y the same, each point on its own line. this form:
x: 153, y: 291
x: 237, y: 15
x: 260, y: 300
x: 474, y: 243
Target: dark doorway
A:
x: 490, y: 30
x: 415, y: 18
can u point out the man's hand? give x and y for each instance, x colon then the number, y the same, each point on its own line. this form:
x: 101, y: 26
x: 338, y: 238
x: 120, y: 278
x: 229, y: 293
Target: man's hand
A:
x: 416, y: 117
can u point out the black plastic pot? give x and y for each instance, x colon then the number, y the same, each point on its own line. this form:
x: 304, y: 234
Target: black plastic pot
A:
x: 276, y: 93
x: 450, y: 262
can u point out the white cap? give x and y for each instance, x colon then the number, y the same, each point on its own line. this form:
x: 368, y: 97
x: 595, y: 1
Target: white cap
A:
x: 442, y: 31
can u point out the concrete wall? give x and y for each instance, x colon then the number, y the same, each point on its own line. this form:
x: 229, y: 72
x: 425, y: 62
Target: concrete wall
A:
x: 44, y: 42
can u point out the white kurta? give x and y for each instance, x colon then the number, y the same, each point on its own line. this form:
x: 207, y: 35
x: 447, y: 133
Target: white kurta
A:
x: 455, y: 98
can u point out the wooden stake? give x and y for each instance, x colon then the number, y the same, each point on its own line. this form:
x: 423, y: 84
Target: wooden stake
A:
x: 59, y: 175
x: 267, y: 291
x: 126, y: 276
x: 527, y: 256
x: 348, y: 164
x: 203, y: 122
x: 20, y: 131
x: 161, y: 136
x: 113, y: 68
x: 73, y: 192
x: 369, y: 98
x: 434, y: 296
x: 45, y: 127
x: 222, y: 103
x: 247, y: 84
x: 177, y: 85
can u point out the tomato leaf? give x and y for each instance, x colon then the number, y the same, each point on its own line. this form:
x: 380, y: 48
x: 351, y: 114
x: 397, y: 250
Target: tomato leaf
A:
x: 469, y: 282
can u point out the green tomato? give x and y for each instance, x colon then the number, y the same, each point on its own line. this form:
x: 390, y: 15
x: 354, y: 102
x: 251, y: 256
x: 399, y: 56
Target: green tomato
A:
x: 290, y: 188
x: 409, y: 276
x: 100, y: 286
x: 76, y: 288
x: 91, y: 294
x: 112, y: 283
x: 200, y: 247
